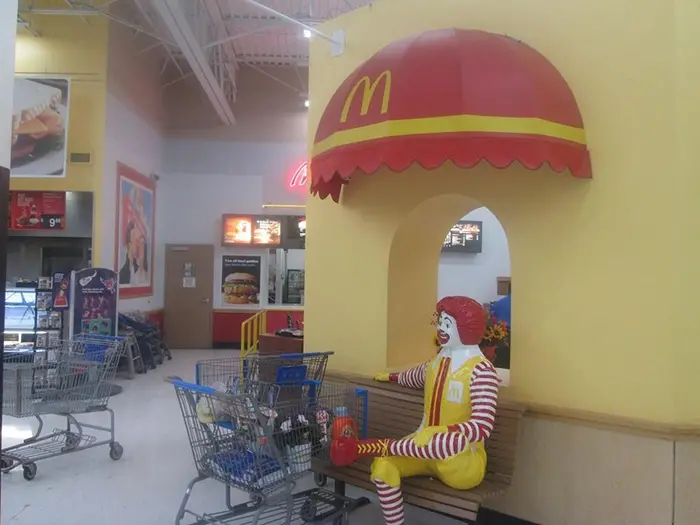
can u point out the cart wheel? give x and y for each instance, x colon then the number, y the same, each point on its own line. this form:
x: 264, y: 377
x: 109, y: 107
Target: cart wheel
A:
x: 29, y: 471
x: 321, y: 480
x: 115, y: 451
x: 342, y: 520
x: 6, y: 464
x: 308, y: 511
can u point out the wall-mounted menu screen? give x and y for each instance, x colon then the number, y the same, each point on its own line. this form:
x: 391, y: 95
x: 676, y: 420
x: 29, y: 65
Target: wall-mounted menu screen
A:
x: 465, y: 237
x: 251, y: 230
x: 294, y: 232
x: 238, y: 230
x: 267, y: 231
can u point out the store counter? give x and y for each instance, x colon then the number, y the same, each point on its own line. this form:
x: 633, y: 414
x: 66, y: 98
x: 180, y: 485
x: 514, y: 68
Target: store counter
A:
x: 271, y: 344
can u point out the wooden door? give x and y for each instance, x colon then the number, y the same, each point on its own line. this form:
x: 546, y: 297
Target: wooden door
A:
x: 189, y: 285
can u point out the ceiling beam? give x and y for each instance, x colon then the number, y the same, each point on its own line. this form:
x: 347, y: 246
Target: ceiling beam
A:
x: 174, y: 19
x: 281, y: 16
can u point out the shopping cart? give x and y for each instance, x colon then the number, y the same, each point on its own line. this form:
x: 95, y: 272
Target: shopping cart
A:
x: 261, y: 441
x: 232, y: 372
x: 69, y: 378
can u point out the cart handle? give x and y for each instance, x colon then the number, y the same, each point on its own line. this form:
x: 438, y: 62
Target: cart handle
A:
x: 179, y: 383
x: 302, y: 355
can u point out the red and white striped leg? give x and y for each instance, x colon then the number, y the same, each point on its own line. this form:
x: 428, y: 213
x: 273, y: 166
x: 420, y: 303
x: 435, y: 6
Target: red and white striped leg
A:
x: 391, y: 502
x: 441, y: 446
x: 344, y: 451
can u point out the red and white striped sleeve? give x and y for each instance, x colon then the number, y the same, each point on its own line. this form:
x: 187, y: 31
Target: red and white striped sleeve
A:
x: 411, y: 378
x: 483, y: 390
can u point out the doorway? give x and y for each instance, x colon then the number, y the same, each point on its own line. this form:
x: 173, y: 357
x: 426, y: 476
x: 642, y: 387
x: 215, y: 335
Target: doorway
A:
x: 189, y: 284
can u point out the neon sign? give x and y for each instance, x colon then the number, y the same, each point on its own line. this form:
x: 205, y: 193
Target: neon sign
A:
x: 298, y: 180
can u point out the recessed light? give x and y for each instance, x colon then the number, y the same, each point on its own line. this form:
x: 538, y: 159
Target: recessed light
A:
x: 306, y: 103
x: 307, y: 33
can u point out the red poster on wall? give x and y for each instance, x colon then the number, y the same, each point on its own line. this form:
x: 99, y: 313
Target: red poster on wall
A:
x: 37, y: 210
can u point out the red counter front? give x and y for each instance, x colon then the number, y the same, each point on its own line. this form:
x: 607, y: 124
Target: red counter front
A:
x: 226, y: 330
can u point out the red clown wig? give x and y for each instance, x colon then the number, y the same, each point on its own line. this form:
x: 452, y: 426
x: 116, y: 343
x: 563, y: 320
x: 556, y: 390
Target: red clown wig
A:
x: 470, y: 317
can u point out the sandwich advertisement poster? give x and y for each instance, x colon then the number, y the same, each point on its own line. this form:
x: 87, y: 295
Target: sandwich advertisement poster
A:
x: 240, y: 279
x: 40, y: 127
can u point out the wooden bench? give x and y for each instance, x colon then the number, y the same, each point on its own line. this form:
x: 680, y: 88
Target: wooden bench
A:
x: 395, y: 412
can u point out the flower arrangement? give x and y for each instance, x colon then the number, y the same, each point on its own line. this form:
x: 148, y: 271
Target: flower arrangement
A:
x: 497, y: 335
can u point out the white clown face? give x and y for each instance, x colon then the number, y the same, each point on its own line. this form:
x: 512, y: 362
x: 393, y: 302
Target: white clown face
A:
x: 447, y: 333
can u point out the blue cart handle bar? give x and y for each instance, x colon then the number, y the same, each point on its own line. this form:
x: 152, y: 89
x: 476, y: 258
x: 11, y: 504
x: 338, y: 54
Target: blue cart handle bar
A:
x: 361, y: 393
x: 301, y: 355
x: 179, y: 383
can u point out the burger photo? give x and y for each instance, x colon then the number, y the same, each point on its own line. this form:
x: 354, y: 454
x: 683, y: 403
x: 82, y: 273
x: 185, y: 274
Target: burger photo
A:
x: 38, y: 123
x: 240, y: 288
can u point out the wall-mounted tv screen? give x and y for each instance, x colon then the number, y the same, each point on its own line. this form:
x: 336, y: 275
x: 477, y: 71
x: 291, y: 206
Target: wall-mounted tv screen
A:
x: 464, y: 237
x: 296, y: 227
x: 267, y: 231
x: 294, y: 232
x: 251, y: 230
x: 238, y: 229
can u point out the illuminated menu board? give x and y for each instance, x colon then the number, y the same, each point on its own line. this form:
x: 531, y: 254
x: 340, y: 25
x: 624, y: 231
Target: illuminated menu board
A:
x: 465, y: 236
x: 238, y: 230
x: 250, y: 230
x: 267, y: 231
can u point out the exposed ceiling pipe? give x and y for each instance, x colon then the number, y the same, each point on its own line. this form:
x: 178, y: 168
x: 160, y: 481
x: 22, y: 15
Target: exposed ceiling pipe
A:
x: 151, y: 23
x: 225, y: 51
x: 174, y: 19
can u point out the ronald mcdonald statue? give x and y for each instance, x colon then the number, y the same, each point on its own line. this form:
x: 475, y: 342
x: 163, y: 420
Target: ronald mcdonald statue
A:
x: 461, y: 393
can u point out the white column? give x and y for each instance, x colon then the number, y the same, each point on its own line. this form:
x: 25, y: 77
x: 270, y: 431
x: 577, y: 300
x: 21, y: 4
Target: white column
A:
x: 8, y: 30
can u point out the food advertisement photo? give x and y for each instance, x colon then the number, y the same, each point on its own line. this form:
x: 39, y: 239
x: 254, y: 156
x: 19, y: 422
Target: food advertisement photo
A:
x: 240, y: 279
x: 40, y: 127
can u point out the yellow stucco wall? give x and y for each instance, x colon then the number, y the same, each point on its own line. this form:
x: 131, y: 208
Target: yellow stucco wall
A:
x: 68, y: 47
x: 599, y: 267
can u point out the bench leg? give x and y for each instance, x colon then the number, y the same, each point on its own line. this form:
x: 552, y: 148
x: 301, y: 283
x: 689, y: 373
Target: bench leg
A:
x: 339, y: 487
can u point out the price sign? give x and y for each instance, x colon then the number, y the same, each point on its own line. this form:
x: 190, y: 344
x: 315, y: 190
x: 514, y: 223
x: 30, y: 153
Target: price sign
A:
x: 52, y: 222
x: 37, y: 210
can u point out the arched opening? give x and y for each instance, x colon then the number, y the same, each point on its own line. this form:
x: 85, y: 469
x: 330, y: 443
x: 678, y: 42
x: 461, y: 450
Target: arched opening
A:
x: 416, y: 259
x: 475, y: 262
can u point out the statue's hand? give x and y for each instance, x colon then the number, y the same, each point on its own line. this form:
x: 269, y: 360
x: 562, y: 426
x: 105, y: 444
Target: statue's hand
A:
x: 383, y: 377
x: 423, y: 437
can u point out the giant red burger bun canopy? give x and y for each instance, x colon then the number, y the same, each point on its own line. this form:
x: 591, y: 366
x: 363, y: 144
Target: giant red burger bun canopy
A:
x: 456, y: 95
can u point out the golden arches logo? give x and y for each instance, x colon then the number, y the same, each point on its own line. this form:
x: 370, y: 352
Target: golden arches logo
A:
x: 369, y: 87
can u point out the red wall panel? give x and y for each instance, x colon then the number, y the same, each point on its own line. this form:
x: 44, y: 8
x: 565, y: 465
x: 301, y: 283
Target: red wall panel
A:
x: 227, y: 323
x: 277, y: 319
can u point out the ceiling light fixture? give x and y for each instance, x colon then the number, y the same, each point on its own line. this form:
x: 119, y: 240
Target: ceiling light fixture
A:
x: 307, y: 33
x: 306, y: 103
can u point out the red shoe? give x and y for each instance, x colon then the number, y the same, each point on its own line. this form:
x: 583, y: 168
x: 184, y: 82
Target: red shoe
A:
x: 344, y: 451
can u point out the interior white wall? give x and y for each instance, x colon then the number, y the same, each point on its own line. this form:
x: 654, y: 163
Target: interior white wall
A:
x: 475, y: 274
x: 133, y: 137
x: 195, y: 205
x: 273, y: 162
x: 218, y: 177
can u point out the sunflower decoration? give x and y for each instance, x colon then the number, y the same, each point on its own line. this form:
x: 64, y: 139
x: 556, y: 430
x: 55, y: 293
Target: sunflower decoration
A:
x: 434, y: 323
x: 496, y: 335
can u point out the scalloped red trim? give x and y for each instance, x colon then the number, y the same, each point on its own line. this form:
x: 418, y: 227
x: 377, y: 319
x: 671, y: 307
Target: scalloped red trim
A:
x: 332, y: 169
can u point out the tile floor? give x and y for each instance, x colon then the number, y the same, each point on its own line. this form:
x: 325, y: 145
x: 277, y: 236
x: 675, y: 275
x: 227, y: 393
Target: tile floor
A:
x: 146, y: 486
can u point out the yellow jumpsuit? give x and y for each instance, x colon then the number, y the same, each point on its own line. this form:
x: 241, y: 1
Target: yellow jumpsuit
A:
x: 447, y: 402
